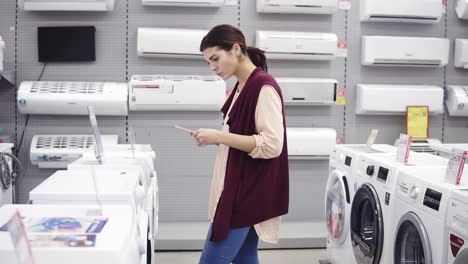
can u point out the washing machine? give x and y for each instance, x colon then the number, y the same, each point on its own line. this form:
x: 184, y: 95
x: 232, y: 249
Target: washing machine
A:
x: 6, y: 183
x: 109, y: 186
x: 456, y: 236
x: 75, y: 234
x: 339, y: 195
x: 372, y: 207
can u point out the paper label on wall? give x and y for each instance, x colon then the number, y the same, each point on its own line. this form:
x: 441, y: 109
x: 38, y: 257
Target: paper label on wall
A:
x: 444, y: 6
x: 417, y: 121
x: 231, y: 2
x: 371, y: 138
x: 341, y: 96
x: 20, y: 240
x: 342, y: 49
x: 344, y: 4
x: 340, y: 139
x: 455, y: 166
x: 403, y: 148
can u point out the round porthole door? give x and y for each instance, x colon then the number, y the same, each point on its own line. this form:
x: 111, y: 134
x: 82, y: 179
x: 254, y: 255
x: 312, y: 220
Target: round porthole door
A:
x: 336, y: 206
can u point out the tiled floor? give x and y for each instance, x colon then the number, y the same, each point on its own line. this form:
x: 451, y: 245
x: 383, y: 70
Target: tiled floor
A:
x: 290, y: 256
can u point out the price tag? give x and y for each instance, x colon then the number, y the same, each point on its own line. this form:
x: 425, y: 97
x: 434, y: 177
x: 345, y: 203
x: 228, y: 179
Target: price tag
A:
x: 342, y: 49
x: 98, y: 149
x: 131, y: 138
x: 340, y: 139
x: 404, y: 148
x: 344, y: 4
x: 341, y: 96
x: 20, y: 239
x: 444, y: 6
x: 417, y: 121
x: 371, y: 138
x: 455, y: 166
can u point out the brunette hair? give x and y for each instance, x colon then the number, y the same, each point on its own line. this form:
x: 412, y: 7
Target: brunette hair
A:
x: 225, y: 36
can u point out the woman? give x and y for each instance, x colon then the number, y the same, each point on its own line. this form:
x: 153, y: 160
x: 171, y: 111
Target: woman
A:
x: 250, y: 185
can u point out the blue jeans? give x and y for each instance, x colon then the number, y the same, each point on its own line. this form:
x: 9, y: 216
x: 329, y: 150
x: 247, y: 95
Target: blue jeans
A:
x: 239, y: 248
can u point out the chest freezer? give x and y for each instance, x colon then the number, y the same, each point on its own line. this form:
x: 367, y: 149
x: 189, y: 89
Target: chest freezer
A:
x: 116, y: 241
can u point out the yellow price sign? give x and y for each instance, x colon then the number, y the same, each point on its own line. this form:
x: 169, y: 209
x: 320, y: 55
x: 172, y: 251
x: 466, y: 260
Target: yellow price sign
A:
x: 417, y: 121
x: 341, y: 96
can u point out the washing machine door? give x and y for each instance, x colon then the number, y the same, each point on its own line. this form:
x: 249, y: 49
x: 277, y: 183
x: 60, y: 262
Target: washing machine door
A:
x: 411, y: 241
x: 367, y: 226
x: 337, y: 201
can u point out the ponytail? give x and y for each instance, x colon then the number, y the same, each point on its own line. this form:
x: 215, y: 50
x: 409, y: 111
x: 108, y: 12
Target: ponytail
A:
x: 257, y: 56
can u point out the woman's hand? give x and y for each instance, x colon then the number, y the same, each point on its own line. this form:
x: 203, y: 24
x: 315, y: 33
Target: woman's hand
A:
x: 206, y: 136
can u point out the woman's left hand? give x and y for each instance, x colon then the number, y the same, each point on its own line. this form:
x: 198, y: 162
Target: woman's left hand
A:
x: 207, y: 136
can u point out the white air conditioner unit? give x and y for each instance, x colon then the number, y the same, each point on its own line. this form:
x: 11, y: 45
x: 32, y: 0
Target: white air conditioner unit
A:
x: 72, y: 98
x: 176, y: 92
x: 168, y: 42
x: 306, y: 142
x: 461, y: 53
x: 385, y: 99
x: 202, y: 3
x: 2, y: 49
x: 457, y: 100
x: 423, y: 145
x: 297, y: 45
x: 461, y: 8
x: 297, y: 6
x: 57, y: 151
x: 404, y: 51
x: 66, y: 5
x: 412, y: 11
x: 308, y: 91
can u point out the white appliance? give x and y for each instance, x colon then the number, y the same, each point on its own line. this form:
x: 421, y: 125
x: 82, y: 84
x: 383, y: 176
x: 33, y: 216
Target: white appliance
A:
x: 460, y: 58
x: 57, y: 151
x: 297, y: 6
x: 456, y: 237
x: 305, y: 142
x: 339, y: 195
x: 373, y: 206
x: 445, y: 149
x: 422, y: 200
x: 202, y: 3
x: 2, y: 50
x: 176, y: 92
x: 116, y: 240
x: 66, y: 5
x: 457, y: 100
x: 170, y: 42
x: 308, y: 91
x: 297, y: 45
x: 423, y: 144
x: 461, y: 8
x: 413, y: 11
x: 72, y: 98
x: 404, y: 51
x: 6, y: 185
x: 380, y: 99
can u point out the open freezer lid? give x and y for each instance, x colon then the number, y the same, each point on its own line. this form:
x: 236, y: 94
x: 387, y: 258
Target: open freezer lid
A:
x: 71, y: 186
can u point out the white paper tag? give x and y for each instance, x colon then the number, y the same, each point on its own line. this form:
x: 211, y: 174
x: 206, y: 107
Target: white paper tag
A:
x: 455, y: 166
x: 98, y: 149
x: 371, y: 138
x: 231, y: 2
x: 342, y: 49
x: 131, y: 138
x: 444, y: 6
x: 344, y: 4
x: 20, y: 239
x: 404, y: 148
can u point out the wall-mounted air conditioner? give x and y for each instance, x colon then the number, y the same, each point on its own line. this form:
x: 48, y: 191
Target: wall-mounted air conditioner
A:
x: 297, y: 6
x: 170, y: 42
x: 2, y: 49
x: 404, y: 51
x: 308, y: 142
x: 176, y: 92
x: 461, y: 8
x: 308, y: 91
x: 57, y: 151
x: 202, y: 3
x: 66, y: 5
x: 385, y: 99
x: 297, y: 45
x: 461, y: 53
x: 412, y: 11
x: 457, y: 100
x: 72, y: 98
